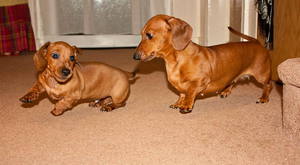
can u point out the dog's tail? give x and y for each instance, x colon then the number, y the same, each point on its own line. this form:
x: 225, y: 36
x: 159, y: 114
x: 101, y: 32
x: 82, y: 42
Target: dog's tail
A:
x: 241, y: 34
x: 39, y: 58
x: 132, y: 75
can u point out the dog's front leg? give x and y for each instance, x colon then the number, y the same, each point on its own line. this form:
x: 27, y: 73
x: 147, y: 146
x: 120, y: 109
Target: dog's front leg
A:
x: 192, y: 91
x: 178, y: 102
x: 33, y: 93
x: 187, y: 103
x: 63, y: 105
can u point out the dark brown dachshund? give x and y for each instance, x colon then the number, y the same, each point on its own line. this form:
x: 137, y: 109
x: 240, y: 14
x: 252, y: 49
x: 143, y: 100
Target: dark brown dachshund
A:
x: 66, y: 81
x: 193, y: 69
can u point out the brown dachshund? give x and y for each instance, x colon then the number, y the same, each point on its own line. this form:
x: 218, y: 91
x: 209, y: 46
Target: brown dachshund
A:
x: 67, y: 81
x: 193, y: 69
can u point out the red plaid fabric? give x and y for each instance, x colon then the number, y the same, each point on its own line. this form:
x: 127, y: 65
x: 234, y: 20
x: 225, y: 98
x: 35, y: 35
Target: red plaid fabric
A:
x: 16, y: 32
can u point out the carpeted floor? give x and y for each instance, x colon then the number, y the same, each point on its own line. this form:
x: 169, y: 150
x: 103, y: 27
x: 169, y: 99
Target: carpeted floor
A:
x: 219, y: 131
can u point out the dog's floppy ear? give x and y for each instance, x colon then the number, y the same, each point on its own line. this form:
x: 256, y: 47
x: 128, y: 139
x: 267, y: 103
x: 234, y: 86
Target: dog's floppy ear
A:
x: 39, y: 58
x: 76, y: 53
x: 181, y: 33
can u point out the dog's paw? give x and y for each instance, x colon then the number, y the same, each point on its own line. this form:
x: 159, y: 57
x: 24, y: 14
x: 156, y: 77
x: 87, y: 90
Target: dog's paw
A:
x: 262, y: 100
x: 106, y: 108
x: 224, y: 94
x: 57, y: 112
x: 185, y: 110
x: 92, y: 104
x: 95, y: 103
x: 25, y: 100
x: 174, y: 106
x: 28, y: 98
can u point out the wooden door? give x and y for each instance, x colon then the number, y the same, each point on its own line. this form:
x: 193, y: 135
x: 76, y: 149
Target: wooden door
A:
x: 286, y: 32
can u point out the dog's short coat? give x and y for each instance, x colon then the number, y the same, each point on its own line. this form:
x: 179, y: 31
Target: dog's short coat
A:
x: 193, y: 69
x: 67, y: 81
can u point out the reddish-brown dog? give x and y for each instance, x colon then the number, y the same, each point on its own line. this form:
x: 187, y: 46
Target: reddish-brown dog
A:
x: 193, y: 69
x: 67, y: 81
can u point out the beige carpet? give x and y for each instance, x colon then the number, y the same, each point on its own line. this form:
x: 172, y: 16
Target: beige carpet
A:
x: 219, y: 131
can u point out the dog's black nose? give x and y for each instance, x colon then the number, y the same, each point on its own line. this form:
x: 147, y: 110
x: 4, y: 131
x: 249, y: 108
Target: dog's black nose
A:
x: 136, y: 56
x: 65, y: 71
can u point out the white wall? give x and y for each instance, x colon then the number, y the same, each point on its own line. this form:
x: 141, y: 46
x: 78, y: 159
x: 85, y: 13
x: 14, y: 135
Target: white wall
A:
x: 218, y: 19
x: 249, y: 18
x: 190, y: 12
x: 210, y: 19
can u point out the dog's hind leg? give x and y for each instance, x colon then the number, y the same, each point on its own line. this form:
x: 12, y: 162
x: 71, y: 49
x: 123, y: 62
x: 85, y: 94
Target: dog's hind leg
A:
x: 115, y: 101
x: 265, y: 79
x: 178, y: 102
x: 266, y: 92
x: 108, y: 104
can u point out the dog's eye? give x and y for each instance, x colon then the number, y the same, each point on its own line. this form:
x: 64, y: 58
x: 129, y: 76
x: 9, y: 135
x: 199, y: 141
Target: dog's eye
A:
x: 72, y: 58
x: 149, y: 36
x: 55, y: 55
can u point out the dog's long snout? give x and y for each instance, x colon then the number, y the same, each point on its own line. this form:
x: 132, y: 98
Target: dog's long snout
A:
x: 65, y: 71
x: 136, y: 56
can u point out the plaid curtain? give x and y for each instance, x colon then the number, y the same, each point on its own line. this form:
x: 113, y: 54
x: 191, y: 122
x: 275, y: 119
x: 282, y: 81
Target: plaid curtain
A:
x: 16, y: 32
